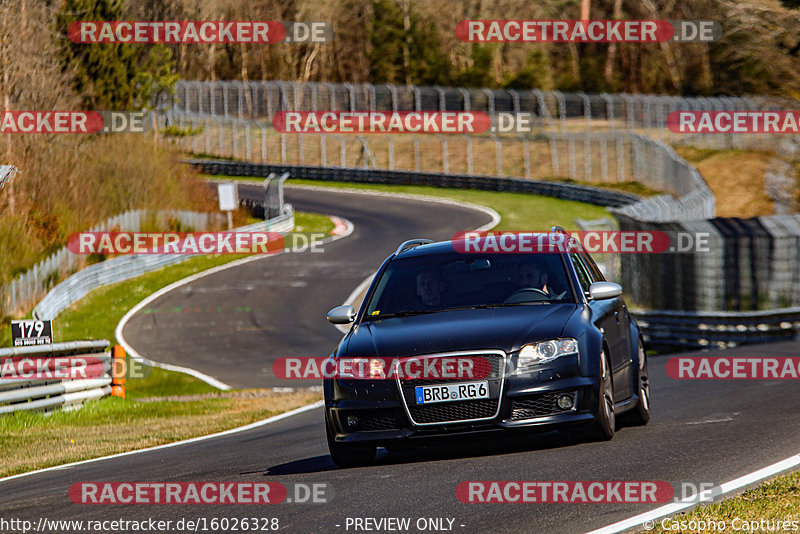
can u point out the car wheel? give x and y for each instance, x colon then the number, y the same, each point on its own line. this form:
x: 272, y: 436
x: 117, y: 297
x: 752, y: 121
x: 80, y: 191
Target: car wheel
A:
x: 349, y: 454
x: 640, y: 415
x: 605, y: 420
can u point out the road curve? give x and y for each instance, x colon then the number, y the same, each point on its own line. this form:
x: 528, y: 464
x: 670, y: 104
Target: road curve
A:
x: 233, y: 324
x: 701, y: 431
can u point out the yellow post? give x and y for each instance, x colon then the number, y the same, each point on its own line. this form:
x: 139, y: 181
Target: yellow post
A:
x: 118, y: 371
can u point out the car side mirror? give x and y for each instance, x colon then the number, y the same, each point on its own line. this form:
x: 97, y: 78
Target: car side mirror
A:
x: 604, y: 290
x: 342, y: 315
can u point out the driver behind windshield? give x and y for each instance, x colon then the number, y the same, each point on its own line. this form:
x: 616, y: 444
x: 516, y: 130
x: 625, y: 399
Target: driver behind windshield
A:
x: 536, y: 275
x: 531, y: 275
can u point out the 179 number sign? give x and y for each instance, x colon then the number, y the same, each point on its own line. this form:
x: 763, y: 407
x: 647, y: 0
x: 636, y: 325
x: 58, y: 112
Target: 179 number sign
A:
x: 31, y: 332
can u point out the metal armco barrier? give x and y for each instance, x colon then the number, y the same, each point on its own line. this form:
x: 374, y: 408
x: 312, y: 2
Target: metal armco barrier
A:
x: 123, y: 268
x: 21, y: 293
x: 697, y: 330
x: 564, y: 191
x: 747, y: 265
x: 763, y: 262
x: 20, y: 394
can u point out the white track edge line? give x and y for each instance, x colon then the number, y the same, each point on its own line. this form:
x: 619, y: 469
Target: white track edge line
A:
x: 250, y: 426
x: 210, y: 380
x: 722, y: 489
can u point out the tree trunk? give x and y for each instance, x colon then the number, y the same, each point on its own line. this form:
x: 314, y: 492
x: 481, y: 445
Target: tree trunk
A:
x: 612, y: 47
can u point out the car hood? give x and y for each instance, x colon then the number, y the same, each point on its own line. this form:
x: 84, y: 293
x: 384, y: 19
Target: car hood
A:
x: 458, y: 330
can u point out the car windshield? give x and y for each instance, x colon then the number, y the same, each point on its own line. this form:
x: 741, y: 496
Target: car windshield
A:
x: 433, y: 283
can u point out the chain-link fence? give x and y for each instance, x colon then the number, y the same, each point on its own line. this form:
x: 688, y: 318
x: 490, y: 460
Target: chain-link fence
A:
x: 594, y: 158
x: 24, y: 291
x: 745, y: 264
x: 552, y: 110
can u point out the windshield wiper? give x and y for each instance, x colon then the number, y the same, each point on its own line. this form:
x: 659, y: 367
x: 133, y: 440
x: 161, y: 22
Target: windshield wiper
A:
x: 500, y: 305
x: 399, y: 314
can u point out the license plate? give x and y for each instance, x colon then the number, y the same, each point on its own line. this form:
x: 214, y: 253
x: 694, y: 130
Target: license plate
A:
x: 452, y: 392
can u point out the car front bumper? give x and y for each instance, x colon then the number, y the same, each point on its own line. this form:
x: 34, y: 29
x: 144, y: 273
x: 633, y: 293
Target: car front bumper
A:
x: 381, y: 416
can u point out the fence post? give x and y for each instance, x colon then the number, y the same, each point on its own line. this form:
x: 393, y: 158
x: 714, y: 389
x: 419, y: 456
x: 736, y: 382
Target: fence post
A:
x: 526, y: 155
x: 416, y: 152
x: 445, y: 162
x: 469, y: 154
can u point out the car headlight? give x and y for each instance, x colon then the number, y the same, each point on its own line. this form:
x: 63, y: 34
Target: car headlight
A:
x: 545, y: 351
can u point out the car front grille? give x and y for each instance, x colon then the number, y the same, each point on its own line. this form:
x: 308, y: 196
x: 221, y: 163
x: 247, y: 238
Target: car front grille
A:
x: 454, y: 411
x: 540, y: 405
x: 458, y: 411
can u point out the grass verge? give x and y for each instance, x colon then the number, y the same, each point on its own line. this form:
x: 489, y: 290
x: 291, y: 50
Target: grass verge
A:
x: 741, y: 171
x: 519, y: 211
x: 777, y: 500
x: 111, y: 425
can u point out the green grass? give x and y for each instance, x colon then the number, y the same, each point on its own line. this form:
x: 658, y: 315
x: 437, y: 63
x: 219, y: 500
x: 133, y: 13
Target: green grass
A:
x: 775, y: 500
x: 96, y: 315
x: 111, y: 425
x: 519, y: 211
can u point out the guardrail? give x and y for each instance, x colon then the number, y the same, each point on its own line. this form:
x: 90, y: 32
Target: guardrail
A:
x: 46, y: 394
x: 754, y: 262
x: 565, y: 191
x: 123, y: 268
x: 21, y: 293
x: 699, y: 330
x: 596, y: 159
x: 742, y: 265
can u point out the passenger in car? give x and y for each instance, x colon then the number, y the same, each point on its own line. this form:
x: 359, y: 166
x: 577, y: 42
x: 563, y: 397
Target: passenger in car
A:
x: 430, y: 287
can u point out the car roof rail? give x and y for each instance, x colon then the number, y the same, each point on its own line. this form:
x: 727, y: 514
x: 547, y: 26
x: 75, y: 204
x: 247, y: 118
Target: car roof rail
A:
x: 558, y: 230
x: 405, y: 245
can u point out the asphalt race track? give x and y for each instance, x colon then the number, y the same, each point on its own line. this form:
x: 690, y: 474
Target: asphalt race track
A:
x: 701, y: 431
x: 233, y: 324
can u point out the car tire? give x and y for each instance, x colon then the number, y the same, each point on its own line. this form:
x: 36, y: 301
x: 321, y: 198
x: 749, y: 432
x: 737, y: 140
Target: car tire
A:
x: 640, y: 415
x: 604, y: 424
x: 350, y: 454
